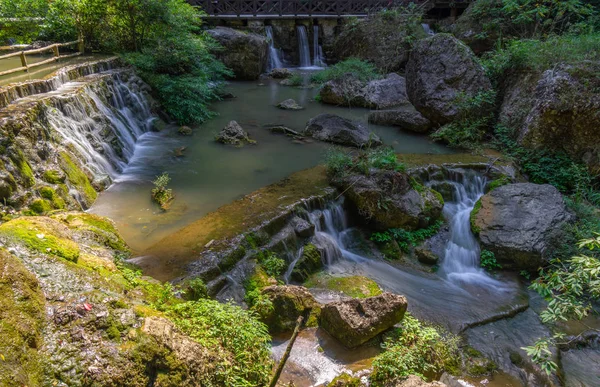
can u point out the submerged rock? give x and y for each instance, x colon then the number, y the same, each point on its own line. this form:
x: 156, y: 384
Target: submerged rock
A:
x: 440, y: 69
x: 284, y: 130
x: 246, y: 54
x: 406, y: 117
x: 354, y: 322
x: 426, y: 256
x: 289, y: 104
x: 185, y: 131
x: 387, y: 199
x: 289, y: 303
x: 519, y: 223
x: 281, y: 73
x: 234, y: 134
x: 339, y: 130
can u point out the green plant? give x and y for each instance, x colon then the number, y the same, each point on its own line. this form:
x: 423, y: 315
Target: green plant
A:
x: 271, y: 263
x: 385, y: 158
x: 362, y: 70
x: 195, y: 289
x: 414, y: 349
x: 295, y: 80
x: 337, y: 161
x: 488, y: 261
x: 160, y: 193
x: 407, y: 239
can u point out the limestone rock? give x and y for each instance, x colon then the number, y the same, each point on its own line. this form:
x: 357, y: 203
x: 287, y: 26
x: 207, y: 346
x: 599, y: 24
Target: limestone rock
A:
x: 290, y: 302
x: 387, y: 92
x: 346, y: 90
x: 415, y: 381
x: 308, y: 263
x: 281, y: 73
x: 519, y: 222
x: 244, y: 53
x: 426, y: 256
x: 406, y: 117
x: 386, y: 199
x: 377, y: 94
x: 339, y: 130
x: 289, y: 104
x: 234, y: 134
x: 440, y: 69
x: 302, y: 227
x: 356, y: 321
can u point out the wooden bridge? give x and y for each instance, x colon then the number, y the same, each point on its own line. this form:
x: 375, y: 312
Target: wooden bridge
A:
x: 311, y: 8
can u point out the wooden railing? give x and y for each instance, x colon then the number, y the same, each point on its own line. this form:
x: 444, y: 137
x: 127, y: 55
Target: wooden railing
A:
x: 55, y: 48
x: 307, y: 7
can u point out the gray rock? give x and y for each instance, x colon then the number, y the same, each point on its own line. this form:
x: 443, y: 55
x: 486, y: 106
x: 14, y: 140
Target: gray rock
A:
x: 356, y: 321
x: 346, y: 90
x: 520, y: 222
x: 406, y: 117
x: 234, y: 134
x: 282, y: 73
x: 289, y: 104
x: 416, y: 381
x: 339, y: 130
x: 386, y: 199
x: 302, y: 227
x: 246, y: 54
x: 387, y: 92
x: 185, y: 131
x: 378, y: 94
x: 426, y: 256
x: 440, y: 69
x: 289, y: 303
x: 284, y: 130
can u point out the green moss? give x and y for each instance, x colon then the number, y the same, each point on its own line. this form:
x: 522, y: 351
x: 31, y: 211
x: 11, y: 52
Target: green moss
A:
x: 345, y: 380
x: 309, y: 262
x: 438, y: 196
x: 50, y: 194
x: 504, y: 180
x: 113, y: 332
x: 352, y: 286
x: 53, y: 177
x: 22, y: 317
x: 32, y: 233
x: 40, y: 206
x: 473, y: 217
x: 105, y: 231
x: 23, y: 167
x: 78, y: 179
x: 232, y: 258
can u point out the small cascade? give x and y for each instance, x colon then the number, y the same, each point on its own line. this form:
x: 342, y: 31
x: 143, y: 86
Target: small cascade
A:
x: 103, y: 124
x: 318, y: 59
x: 303, y: 47
x: 275, y: 61
x: 427, y: 29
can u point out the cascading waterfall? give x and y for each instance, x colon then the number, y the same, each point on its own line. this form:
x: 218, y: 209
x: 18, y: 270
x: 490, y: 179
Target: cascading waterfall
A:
x: 275, y: 61
x: 427, y: 29
x: 303, y: 47
x: 103, y: 125
x: 318, y: 59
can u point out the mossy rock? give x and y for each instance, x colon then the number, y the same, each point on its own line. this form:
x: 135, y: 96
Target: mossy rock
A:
x: 472, y: 218
x: 309, y: 262
x: 23, y: 168
x: 78, y: 179
x: 390, y: 250
x: 345, y: 380
x: 55, y: 200
x: 290, y: 302
x: 352, y: 286
x: 22, y: 316
x: 41, y: 235
x: 52, y: 176
x: 40, y: 206
x: 103, y: 229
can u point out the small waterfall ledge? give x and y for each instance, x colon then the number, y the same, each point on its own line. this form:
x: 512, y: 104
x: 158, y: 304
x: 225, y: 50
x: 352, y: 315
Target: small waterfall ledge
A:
x: 275, y: 61
x: 73, y: 134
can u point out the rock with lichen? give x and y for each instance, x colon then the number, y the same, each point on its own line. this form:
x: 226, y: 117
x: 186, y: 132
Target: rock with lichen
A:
x: 290, y: 302
x: 234, y: 134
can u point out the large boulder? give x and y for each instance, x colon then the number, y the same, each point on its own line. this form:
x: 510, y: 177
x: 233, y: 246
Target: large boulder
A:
x: 354, y: 322
x: 440, y: 70
x: 234, y: 134
x: 289, y: 303
x: 339, y: 130
x: 520, y: 222
x: 561, y: 112
x: 387, y: 199
x: 246, y: 54
x: 406, y: 117
x: 377, y: 94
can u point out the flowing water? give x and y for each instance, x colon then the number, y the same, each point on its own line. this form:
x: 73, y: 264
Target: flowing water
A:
x: 275, y: 61
x: 209, y: 175
x: 318, y: 58
x: 427, y: 29
x: 303, y: 47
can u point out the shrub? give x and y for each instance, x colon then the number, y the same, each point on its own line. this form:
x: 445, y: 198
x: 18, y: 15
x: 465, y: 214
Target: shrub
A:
x: 337, y: 161
x: 160, y: 193
x: 271, y: 263
x: 362, y: 70
x: 385, y: 158
x: 414, y: 349
x: 488, y: 260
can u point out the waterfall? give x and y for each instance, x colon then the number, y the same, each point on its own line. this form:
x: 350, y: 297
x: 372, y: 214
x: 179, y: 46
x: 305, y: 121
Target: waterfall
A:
x: 275, y: 61
x: 303, y: 47
x: 102, y: 124
x: 427, y: 29
x: 318, y: 60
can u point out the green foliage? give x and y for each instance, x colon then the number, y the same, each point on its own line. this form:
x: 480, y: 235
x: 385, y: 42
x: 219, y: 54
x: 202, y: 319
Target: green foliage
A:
x: 271, y: 263
x: 407, y: 239
x: 337, y: 161
x: 195, y: 289
x: 295, y: 80
x: 21, y: 20
x: 473, y: 120
x: 160, y: 193
x: 488, y: 261
x: 384, y: 158
x: 230, y: 328
x: 362, y: 70
x: 414, y: 349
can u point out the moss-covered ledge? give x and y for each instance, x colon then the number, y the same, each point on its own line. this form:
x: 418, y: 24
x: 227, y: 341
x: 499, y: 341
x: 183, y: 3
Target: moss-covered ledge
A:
x: 265, y: 209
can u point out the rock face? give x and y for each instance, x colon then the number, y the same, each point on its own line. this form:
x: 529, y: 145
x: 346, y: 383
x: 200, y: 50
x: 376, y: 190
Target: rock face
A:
x: 289, y: 303
x: 406, y: 117
x: 415, y: 381
x: 339, y: 130
x: 563, y: 115
x: 234, y: 134
x: 386, y: 199
x: 519, y: 222
x: 289, y: 104
x: 308, y: 263
x: 244, y: 53
x: 440, y: 69
x: 378, y: 94
x: 354, y: 322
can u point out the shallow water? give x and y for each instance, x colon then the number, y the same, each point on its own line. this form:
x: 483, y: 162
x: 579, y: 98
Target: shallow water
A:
x: 210, y: 175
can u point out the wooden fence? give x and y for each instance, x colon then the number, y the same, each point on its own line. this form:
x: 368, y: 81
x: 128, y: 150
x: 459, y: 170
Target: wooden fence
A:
x: 55, y: 48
